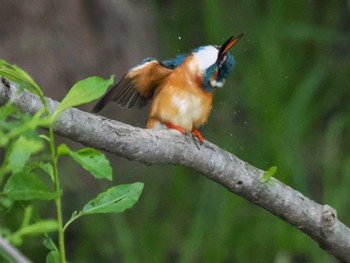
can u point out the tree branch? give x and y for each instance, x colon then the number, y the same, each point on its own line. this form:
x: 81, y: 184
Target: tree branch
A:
x: 167, y: 146
x: 12, y: 251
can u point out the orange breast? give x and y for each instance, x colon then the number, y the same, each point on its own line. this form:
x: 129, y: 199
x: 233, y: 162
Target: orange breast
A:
x: 180, y: 100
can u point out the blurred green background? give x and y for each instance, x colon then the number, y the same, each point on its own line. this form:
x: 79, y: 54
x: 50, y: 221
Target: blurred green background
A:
x: 286, y: 104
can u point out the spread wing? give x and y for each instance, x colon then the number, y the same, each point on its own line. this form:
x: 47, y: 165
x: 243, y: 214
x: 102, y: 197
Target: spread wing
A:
x: 137, y: 86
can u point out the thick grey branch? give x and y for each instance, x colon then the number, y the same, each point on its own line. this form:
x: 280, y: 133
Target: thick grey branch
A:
x: 166, y: 146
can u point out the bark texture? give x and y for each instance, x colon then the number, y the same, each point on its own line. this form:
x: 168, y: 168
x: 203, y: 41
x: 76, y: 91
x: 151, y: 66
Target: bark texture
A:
x: 320, y: 222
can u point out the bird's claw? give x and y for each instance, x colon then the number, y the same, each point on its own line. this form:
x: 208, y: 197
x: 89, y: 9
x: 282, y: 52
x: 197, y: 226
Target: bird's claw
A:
x: 199, y: 136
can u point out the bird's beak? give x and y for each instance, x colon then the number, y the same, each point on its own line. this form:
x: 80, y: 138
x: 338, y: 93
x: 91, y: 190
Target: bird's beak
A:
x: 226, y: 47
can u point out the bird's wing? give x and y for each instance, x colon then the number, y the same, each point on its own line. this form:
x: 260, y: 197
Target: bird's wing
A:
x: 137, y: 86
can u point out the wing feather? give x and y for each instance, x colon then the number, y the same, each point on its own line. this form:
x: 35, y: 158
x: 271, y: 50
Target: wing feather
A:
x: 137, y: 87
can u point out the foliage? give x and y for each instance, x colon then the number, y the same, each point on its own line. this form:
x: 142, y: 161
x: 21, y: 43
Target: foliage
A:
x: 24, y: 156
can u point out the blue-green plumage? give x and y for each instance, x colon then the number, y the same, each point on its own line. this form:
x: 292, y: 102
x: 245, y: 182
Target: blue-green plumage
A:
x: 223, y: 70
x: 173, y: 63
x: 206, y: 84
x: 226, y: 67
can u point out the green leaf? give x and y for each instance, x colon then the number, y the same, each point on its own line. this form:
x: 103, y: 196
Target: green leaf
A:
x: 22, y: 149
x: 5, y: 203
x: 20, y: 123
x: 49, y: 243
x: 27, y: 216
x: 84, y: 91
x: 90, y: 159
x: 53, y: 257
x: 44, y: 137
x: 39, y: 119
x: 16, y: 74
x: 6, y: 110
x: 63, y: 149
x: 266, y: 177
x: 41, y: 227
x: 115, y: 200
x: 44, y: 226
x: 46, y: 167
x: 4, y: 139
x: 27, y: 186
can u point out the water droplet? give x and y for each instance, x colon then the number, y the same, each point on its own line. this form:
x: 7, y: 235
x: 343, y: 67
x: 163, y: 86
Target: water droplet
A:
x: 179, y: 37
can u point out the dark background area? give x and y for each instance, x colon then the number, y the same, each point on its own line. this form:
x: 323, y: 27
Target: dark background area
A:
x: 285, y: 104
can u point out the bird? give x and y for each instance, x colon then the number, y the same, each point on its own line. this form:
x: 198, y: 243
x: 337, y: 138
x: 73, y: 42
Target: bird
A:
x: 182, y: 88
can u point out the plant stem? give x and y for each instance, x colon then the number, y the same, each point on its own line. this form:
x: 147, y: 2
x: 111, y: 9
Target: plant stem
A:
x: 61, y: 246
x: 71, y: 220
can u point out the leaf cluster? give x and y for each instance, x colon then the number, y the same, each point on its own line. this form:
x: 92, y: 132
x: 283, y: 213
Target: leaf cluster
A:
x: 27, y: 174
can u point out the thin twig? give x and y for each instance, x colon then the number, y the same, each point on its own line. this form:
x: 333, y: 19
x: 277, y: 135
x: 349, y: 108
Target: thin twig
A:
x: 12, y: 251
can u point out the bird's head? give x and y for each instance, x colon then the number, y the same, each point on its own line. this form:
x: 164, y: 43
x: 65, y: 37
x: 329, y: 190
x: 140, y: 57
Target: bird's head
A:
x: 213, y: 64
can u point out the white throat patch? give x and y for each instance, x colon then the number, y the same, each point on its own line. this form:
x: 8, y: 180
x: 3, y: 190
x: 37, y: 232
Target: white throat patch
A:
x: 206, y: 56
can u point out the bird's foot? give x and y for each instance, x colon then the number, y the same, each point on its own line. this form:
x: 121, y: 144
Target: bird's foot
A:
x: 172, y: 126
x: 198, y: 135
x: 194, y: 132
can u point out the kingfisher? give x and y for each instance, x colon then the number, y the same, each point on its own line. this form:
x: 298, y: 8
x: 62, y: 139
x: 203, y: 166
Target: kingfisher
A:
x: 182, y: 88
